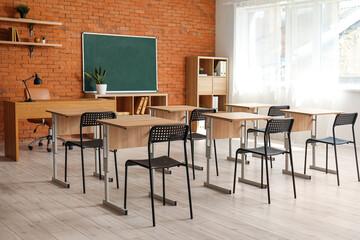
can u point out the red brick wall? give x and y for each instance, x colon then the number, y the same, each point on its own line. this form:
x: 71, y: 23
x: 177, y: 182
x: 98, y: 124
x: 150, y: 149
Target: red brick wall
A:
x: 182, y: 27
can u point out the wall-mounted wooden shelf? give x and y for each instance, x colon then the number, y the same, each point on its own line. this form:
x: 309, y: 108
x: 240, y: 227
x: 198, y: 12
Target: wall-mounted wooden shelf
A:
x: 31, y: 23
x: 31, y: 45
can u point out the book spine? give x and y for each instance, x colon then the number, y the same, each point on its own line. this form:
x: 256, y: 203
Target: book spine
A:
x: 140, y: 105
x: 144, y: 105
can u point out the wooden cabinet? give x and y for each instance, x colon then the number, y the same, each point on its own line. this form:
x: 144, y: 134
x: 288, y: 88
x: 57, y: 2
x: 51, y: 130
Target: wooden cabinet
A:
x: 207, y: 81
x: 126, y: 102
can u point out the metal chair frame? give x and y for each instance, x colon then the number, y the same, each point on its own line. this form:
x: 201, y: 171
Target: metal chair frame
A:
x: 165, y: 133
x: 341, y: 119
x: 280, y: 125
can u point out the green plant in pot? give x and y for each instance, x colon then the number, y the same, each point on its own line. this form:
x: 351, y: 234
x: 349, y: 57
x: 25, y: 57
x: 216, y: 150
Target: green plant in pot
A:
x: 23, y: 9
x: 99, y: 77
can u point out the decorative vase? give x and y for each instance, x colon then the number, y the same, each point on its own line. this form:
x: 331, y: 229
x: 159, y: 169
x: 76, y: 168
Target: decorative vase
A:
x: 101, y: 88
x: 37, y: 40
x: 22, y: 15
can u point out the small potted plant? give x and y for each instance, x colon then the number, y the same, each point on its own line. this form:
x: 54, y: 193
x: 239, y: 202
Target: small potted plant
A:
x: 23, y: 9
x: 99, y: 77
x: 201, y: 70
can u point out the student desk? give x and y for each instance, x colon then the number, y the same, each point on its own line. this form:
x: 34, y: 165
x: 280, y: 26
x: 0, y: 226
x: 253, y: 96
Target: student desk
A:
x: 15, y: 110
x: 250, y: 108
x: 65, y: 122
x: 237, y: 120
x: 128, y: 132
x: 305, y: 119
x: 174, y: 112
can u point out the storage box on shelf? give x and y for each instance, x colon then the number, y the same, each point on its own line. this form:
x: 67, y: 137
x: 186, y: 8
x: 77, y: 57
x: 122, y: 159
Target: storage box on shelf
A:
x: 127, y: 102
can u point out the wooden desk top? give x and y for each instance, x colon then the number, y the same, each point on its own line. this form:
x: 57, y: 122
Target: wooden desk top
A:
x: 311, y: 111
x: 137, y: 121
x: 236, y: 116
x: 249, y: 105
x: 75, y: 111
x: 173, y: 108
x: 37, y: 102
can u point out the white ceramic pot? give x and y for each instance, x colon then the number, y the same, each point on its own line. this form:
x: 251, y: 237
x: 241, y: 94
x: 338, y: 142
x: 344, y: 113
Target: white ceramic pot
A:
x: 101, y: 88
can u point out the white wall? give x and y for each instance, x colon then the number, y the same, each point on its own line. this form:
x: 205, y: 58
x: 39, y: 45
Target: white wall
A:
x: 345, y: 100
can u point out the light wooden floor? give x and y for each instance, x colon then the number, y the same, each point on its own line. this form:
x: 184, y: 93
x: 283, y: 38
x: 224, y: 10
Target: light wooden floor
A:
x: 31, y: 207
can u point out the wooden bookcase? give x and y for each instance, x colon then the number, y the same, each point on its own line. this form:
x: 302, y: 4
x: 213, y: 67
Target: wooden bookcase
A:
x: 202, y: 88
x: 126, y: 102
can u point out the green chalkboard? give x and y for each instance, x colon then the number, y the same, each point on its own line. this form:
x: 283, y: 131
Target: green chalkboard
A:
x: 130, y: 61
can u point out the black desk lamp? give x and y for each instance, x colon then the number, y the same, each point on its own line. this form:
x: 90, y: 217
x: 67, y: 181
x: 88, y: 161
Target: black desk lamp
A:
x: 37, y: 81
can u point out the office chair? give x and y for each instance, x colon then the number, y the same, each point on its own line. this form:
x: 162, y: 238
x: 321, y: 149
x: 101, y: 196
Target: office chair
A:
x: 89, y: 119
x: 162, y: 134
x: 274, y: 111
x: 193, y: 136
x: 41, y: 94
x: 281, y: 125
x: 341, y: 119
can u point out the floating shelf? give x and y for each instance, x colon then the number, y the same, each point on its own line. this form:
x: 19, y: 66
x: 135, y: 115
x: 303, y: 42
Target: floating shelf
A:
x: 31, y: 22
x: 31, y: 45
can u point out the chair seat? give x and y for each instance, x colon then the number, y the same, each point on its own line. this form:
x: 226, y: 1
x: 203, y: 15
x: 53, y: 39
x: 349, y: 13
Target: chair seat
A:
x: 47, y: 121
x: 256, y: 130
x: 86, y: 144
x: 156, y: 163
x: 261, y: 151
x: 330, y: 140
x: 196, y: 136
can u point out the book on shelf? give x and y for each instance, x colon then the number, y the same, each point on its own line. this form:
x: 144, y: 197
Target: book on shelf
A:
x: 139, y: 104
x: 144, y: 105
x: 202, y: 74
x: 14, y: 35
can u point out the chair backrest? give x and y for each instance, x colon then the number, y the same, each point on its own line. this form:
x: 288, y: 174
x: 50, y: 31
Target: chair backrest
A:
x: 90, y: 118
x: 38, y: 93
x: 345, y: 119
x: 168, y: 133
x: 279, y: 125
x: 196, y: 114
x: 274, y: 111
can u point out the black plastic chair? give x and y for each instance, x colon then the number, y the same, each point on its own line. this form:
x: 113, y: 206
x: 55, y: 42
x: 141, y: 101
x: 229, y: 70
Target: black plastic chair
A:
x: 158, y: 134
x: 341, y: 119
x: 281, y: 125
x: 89, y: 119
x: 274, y: 111
x: 197, y: 117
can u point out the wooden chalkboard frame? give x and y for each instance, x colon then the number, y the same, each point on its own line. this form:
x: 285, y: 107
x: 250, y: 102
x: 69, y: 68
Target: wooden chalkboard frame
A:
x: 86, y: 85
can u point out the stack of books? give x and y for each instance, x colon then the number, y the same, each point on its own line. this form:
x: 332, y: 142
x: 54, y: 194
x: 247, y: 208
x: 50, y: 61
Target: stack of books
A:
x: 141, y: 105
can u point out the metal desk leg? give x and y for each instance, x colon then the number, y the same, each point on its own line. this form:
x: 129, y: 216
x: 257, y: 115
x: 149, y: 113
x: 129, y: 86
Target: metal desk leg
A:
x: 96, y: 170
x: 256, y: 126
x: 106, y: 200
x: 286, y: 170
x: 209, y: 123
x: 313, y: 145
x: 54, y: 150
x: 230, y: 141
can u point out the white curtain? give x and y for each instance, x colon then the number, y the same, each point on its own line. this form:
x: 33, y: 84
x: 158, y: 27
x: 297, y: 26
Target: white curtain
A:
x: 286, y: 52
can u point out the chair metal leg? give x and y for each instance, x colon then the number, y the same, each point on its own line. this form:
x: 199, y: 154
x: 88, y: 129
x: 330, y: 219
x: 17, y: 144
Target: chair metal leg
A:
x: 235, y: 170
x: 83, y: 169
x: 65, y: 177
x: 262, y: 172
x: 267, y: 178
x: 292, y: 173
x: 216, y: 162
x: 306, y: 145
x: 116, y: 170
x: 188, y: 181
x: 152, y: 197
x: 327, y: 158
x: 337, y: 168
x: 163, y: 179
x: 192, y: 157
x: 125, y: 185
x: 357, y: 163
x: 99, y: 163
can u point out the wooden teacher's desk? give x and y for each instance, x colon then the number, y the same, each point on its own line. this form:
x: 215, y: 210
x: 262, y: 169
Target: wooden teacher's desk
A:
x: 128, y: 132
x: 15, y: 110
x: 174, y: 112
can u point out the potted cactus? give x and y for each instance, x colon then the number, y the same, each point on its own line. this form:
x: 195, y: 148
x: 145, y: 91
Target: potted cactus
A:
x: 99, y: 77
